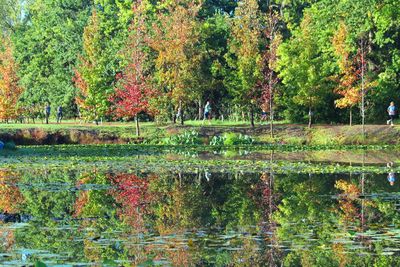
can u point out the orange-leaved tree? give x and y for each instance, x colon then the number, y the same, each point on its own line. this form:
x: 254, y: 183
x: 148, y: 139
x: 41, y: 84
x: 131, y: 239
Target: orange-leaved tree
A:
x: 347, y: 78
x: 174, y: 39
x: 10, y: 91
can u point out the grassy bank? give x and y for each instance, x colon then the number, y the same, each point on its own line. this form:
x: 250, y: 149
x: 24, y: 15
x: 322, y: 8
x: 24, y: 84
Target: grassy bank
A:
x: 291, y: 134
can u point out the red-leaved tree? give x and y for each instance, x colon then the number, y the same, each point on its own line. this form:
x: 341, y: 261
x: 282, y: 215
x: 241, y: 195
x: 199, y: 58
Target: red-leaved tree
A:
x: 269, y: 60
x: 133, y: 90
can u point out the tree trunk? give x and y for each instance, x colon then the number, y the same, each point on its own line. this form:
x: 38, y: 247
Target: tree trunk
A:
x: 271, y: 117
x: 309, y: 117
x: 252, y: 117
x: 137, y: 125
x: 181, y: 108
x: 200, y: 110
x: 351, y: 117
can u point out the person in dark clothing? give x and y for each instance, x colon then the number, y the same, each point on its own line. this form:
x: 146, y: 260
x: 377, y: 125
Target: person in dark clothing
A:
x: 59, y: 114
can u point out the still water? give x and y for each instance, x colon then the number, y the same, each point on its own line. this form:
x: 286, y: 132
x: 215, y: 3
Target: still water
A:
x: 96, y: 217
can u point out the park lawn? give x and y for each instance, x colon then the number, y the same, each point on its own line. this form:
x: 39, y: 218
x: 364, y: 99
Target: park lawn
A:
x: 122, y: 132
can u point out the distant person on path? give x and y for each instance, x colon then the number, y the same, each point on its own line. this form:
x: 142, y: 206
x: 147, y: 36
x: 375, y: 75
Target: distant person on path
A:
x: 207, y: 112
x: 178, y: 113
x: 47, y: 110
x: 263, y: 115
x: 392, y: 112
x: 59, y: 114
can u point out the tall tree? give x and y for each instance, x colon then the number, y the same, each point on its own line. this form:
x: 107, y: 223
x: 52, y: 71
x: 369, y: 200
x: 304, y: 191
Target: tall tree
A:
x: 133, y: 91
x: 301, y: 67
x: 91, y: 77
x: 244, y: 55
x: 174, y: 39
x: 10, y: 91
x: 46, y: 47
x: 270, y: 78
x: 347, y: 77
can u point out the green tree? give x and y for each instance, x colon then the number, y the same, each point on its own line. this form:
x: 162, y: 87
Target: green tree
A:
x: 91, y: 77
x: 46, y: 49
x: 244, y: 55
x: 301, y: 67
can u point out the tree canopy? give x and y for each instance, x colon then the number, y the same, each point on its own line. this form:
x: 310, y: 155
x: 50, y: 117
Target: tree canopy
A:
x: 71, y: 53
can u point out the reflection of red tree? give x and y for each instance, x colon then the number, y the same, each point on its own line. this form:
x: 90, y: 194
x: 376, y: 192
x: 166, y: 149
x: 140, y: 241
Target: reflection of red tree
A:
x: 10, y: 195
x: 130, y: 192
x: 268, y: 203
x: 7, y: 238
x: 83, y: 196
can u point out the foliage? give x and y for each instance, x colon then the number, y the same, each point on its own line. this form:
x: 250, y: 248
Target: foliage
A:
x: 174, y: 40
x: 244, y: 55
x: 71, y: 53
x: 348, y: 77
x: 301, y: 67
x: 10, y: 90
x: 90, y: 76
x: 47, y: 42
x: 131, y: 97
x: 231, y: 139
x: 185, y: 138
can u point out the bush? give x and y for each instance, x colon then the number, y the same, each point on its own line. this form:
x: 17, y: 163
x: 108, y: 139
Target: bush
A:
x: 231, y: 139
x: 186, y: 138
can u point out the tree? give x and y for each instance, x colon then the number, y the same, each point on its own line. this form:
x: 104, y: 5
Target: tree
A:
x: 244, y: 55
x: 90, y: 76
x: 301, y: 67
x: 47, y: 44
x: 131, y: 97
x: 10, y: 91
x: 347, y: 77
x: 270, y: 79
x: 11, y: 14
x: 174, y: 40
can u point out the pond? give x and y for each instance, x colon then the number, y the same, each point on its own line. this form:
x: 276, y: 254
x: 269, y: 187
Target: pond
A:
x: 187, y: 208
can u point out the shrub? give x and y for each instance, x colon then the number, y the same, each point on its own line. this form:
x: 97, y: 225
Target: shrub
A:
x: 186, y: 138
x: 231, y: 139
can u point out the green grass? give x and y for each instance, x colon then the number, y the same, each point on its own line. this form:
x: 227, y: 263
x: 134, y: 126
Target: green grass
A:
x: 284, y: 133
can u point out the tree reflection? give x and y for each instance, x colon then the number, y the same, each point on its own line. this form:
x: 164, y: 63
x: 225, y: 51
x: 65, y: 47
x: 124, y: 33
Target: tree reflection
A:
x: 200, y: 218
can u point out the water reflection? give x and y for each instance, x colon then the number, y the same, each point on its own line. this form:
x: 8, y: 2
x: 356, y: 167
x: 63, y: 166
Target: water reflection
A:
x: 391, y: 176
x: 199, y: 218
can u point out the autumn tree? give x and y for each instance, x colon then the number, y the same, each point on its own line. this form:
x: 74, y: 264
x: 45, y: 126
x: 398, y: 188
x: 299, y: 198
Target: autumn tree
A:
x: 133, y: 91
x: 269, y: 81
x: 244, y: 55
x: 174, y: 40
x: 10, y: 91
x: 91, y: 77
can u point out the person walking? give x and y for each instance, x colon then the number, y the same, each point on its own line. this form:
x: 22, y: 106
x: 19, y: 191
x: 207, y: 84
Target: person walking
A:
x: 392, y: 112
x: 207, y: 112
x: 47, y: 110
x: 59, y: 114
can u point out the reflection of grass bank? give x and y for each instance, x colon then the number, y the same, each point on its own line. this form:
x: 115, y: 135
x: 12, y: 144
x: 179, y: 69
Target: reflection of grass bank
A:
x: 291, y: 134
